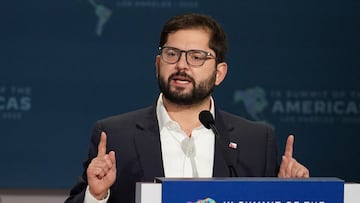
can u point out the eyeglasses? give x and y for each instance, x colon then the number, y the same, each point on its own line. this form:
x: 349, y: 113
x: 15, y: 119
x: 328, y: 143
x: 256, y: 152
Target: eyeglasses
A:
x: 194, y: 58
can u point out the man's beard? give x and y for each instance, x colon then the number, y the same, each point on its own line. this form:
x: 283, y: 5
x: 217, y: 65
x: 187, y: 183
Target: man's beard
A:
x: 198, y: 94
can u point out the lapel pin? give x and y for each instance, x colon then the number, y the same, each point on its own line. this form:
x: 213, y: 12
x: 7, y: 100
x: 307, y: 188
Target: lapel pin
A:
x: 233, y: 145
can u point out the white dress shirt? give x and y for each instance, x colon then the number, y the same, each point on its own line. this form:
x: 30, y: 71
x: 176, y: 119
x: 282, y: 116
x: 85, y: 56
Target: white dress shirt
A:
x: 185, y: 156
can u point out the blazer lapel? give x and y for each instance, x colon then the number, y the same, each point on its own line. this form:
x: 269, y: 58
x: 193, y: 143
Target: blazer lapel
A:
x: 147, y: 141
x: 221, y: 168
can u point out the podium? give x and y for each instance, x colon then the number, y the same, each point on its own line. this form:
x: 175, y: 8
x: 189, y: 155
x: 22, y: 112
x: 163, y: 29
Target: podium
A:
x: 246, y: 190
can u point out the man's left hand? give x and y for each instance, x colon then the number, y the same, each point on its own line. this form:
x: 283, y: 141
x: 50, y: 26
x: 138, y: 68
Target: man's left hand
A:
x: 289, y: 167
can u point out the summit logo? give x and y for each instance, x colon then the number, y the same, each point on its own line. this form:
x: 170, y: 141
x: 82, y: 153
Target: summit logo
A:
x: 15, y: 101
x: 311, y: 106
x: 254, y: 100
x: 206, y: 200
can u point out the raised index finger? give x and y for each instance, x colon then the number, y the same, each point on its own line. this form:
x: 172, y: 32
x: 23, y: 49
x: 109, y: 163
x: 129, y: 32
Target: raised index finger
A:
x: 102, y: 144
x: 289, y: 146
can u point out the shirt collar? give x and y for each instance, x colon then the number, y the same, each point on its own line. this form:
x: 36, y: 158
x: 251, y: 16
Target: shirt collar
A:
x: 164, y: 118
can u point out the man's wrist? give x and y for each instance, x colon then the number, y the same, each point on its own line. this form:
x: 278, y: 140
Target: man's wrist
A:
x: 100, y: 196
x: 90, y: 198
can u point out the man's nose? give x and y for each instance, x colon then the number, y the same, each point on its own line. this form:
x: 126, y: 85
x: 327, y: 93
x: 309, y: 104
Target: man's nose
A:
x: 182, y: 62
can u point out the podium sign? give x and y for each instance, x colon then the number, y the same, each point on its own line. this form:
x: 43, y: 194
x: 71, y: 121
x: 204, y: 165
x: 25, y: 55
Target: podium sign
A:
x: 252, y: 190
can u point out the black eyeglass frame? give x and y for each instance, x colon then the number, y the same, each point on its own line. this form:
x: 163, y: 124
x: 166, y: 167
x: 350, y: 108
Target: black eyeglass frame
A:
x: 208, y: 55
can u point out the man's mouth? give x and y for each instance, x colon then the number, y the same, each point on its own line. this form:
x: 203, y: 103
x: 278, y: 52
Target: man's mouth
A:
x: 181, y: 79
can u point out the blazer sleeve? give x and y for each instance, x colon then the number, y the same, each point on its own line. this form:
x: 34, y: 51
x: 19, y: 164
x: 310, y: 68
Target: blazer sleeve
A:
x: 272, y: 164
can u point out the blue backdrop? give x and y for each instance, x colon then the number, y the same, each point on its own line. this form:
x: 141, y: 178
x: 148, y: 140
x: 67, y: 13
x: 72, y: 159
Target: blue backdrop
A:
x: 65, y: 64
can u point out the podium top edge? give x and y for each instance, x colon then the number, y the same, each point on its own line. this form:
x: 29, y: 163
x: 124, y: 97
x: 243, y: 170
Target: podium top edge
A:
x: 250, y: 179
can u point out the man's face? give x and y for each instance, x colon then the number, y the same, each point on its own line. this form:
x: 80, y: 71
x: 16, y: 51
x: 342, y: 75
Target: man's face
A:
x: 180, y: 82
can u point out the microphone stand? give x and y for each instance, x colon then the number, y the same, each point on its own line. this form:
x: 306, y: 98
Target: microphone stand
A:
x: 232, y: 170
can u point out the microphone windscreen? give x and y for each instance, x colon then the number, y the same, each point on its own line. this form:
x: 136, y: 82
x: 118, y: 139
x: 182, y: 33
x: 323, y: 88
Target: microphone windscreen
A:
x: 206, y: 118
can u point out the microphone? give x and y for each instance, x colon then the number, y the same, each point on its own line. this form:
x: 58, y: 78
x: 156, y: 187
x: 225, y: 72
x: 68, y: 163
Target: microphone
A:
x: 208, y: 121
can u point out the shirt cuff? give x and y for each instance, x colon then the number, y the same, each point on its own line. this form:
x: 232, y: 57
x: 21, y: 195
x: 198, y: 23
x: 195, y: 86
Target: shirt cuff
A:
x: 91, y: 199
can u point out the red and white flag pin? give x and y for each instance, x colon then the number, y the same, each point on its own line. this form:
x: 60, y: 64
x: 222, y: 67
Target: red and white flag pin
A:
x: 233, y: 145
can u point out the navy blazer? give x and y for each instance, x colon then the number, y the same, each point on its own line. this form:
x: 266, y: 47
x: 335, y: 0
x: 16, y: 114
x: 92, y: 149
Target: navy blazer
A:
x: 135, y: 138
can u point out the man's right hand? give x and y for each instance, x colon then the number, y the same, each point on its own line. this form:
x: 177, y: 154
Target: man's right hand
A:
x: 101, y: 172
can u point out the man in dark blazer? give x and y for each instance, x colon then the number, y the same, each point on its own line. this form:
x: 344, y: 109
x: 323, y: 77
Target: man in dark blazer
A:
x: 133, y: 147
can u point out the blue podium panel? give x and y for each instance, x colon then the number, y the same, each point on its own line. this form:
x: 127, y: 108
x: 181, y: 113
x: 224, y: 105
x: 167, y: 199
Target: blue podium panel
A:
x: 252, y: 190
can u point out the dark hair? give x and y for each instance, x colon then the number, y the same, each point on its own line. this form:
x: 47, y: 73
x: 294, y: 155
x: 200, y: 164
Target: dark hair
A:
x: 218, y: 39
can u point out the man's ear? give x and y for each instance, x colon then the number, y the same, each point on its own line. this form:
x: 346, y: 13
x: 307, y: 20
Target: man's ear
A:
x: 221, y: 70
